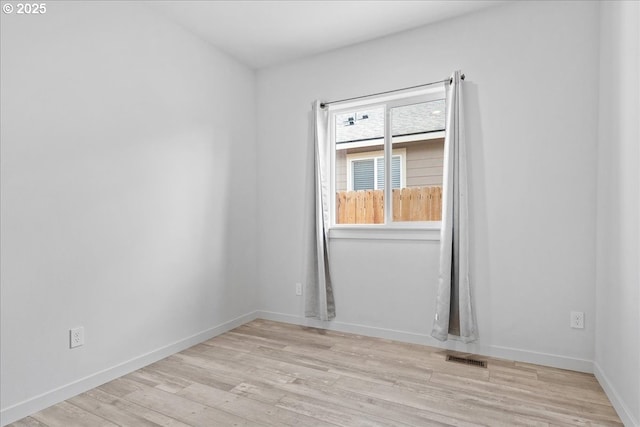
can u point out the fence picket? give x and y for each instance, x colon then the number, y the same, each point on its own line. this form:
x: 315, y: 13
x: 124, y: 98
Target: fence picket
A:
x: 397, y: 206
x: 360, y: 195
x: 350, y: 207
x: 341, y: 213
x: 378, y: 206
x: 368, y: 207
x: 405, y: 200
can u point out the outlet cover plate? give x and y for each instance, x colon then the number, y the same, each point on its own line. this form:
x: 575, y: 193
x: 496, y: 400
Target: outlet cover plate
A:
x: 577, y: 320
x: 76, y: 337
x: 298, y: 289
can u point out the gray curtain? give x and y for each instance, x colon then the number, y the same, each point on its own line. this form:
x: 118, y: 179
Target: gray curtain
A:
x: 454, y: 314
x: 318, y: 293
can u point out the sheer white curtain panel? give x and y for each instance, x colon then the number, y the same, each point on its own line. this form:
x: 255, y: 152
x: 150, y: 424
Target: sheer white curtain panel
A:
x: 454, y: 312
x: 319, y: 302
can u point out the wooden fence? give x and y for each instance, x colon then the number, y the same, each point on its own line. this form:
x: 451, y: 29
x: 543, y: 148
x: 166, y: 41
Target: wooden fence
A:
x: 409, y: 204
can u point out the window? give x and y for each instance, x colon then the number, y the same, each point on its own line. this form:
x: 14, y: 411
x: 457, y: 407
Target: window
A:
x: 365, y: 171
x: 404, y: 136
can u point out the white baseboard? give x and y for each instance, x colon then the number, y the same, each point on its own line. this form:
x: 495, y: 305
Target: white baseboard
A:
x: 621, y: 408
x: 545, y: 359
x: 44, y: 400
x: 520, y: 355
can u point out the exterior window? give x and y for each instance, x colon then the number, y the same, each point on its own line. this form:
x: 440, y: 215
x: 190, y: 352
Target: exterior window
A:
x: 404, y: 136
x: 366, y: 172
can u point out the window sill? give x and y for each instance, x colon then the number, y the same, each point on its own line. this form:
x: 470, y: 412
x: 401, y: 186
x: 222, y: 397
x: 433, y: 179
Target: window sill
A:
x: 429, y: 232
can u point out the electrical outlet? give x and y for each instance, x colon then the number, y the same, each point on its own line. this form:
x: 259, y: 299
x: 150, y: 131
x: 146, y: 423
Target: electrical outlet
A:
x: 577, y: 320
x: 76, y: 337
x: 298, y: 289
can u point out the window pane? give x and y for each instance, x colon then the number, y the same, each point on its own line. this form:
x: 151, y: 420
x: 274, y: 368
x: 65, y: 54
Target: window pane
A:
x: 359, y: 137
x: 418, y: 118
x: 360, y: 125
x: 418, y: 128
x: 363, y: 174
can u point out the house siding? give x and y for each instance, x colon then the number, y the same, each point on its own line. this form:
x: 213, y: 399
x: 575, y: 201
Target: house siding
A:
x: 424, y: 162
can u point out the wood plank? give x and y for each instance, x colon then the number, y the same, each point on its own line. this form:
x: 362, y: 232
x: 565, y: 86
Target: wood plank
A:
x: 360, y: 207
x: 109, y: 411
x: 553, y: 409
x: 431, y: 203
x: 259, y: 392
x: 378, y: 207
x: 436, y: 206
x: 28, y: 422
x: 223, y: 367
x: 427, y: 201
x: 121, y: 387
x: 250, y: 409
x: 369, y: 214
x: 334, y: 414
x: 440, y: 402
x: 405, y: 201
x: 65, y: 414
x: 384, y: 409
x: 396, y: 204
x: 417, y: 204
x: 183, y: 409
x: 175, y: 365
x: 350, y: 202
x: 160, y: 380
x: 341, y: 200
x: 127, y: 407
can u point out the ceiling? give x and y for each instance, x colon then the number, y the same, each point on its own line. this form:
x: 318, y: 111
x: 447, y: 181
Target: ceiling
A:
x: 265, y: 33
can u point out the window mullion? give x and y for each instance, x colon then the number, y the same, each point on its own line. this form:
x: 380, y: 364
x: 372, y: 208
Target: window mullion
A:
x: 387, y: 167
x: 375, y: 173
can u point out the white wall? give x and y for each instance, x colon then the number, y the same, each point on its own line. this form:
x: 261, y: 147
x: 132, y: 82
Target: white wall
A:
x: 617, y: 347
x: 128, y: 195
x: 531, y: 104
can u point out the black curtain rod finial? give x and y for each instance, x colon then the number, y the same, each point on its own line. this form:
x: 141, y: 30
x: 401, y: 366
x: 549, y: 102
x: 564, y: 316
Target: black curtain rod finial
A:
x: 451, y: 78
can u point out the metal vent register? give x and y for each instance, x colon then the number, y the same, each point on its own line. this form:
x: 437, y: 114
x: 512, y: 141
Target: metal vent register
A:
x: 466, y: 361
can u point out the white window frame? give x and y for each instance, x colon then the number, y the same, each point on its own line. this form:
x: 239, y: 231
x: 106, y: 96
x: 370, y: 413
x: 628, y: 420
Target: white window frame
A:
x: 397, y: 152
x: 394, y: 230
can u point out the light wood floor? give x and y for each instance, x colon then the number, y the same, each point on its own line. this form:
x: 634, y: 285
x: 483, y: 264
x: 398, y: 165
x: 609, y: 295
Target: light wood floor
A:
x: 269, y: 373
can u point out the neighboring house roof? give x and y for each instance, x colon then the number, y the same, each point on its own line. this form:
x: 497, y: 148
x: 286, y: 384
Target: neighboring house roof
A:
x: 406, y: 120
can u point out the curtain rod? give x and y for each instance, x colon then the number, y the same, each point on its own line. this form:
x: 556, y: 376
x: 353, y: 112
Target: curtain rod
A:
x: 450, y: 79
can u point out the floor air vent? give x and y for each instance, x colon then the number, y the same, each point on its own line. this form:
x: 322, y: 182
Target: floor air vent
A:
x: 465, y: 361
